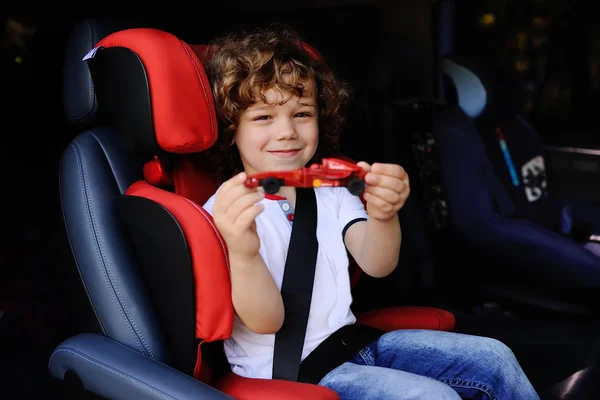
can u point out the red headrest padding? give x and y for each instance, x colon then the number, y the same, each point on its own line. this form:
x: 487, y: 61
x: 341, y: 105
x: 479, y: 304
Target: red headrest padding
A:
x: 214, y: 307
x: 183, y: 109
x: 311, y: 51
x: 200, y: 50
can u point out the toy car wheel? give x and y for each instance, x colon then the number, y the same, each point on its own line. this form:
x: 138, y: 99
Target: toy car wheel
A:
x: 356, y: 186
x: 271, y: 185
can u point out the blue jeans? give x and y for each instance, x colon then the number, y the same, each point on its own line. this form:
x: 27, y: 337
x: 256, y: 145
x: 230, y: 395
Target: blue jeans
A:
x: 424, y: 364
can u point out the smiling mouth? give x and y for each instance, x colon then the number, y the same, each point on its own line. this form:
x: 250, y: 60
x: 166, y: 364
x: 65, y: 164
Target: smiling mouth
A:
x: 285, y: 153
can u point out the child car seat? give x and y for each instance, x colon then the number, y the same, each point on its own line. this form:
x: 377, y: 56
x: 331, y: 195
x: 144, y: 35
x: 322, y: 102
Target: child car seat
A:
x: 492, y: 167
x: 514, y: 147
x: 154, y: 266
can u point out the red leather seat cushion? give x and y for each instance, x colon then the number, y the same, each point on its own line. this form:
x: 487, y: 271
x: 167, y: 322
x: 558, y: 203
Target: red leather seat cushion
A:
x: 393, y: 318
x: 266, y: 389
x: 387, y: 319
x: 214, y: 307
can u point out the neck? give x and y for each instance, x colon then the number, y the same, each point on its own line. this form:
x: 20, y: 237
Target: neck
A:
x: 289, y: 193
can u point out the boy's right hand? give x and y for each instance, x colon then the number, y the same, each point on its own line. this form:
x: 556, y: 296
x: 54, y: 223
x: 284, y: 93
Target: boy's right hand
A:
x: 234, y: 211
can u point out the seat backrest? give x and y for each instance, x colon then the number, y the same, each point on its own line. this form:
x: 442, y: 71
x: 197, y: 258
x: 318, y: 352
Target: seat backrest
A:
x: 474, y: 192
x: 512, y: 145
x: 156, y: 94
x: 97, y: 166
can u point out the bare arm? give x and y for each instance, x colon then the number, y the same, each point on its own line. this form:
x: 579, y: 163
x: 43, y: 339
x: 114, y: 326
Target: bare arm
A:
x: 256, y: 298
x: 255, y: 295
x: 375, y: 245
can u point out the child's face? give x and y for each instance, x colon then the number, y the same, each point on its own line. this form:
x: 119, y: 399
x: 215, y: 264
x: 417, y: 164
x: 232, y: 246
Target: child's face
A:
x: 273, y: 136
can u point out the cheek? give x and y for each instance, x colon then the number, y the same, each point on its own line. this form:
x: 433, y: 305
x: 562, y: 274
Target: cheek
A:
x: 310, y: 133
x: 251, y: 140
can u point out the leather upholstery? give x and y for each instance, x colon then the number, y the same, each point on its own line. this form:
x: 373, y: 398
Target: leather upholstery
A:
x: 94, y: 169
x: 182, y: 117
x: 79, y: 98
x: 113, y: 371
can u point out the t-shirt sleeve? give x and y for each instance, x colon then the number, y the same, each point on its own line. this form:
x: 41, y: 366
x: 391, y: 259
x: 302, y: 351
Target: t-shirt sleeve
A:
x: 351, y: 209
x: 208, y: 206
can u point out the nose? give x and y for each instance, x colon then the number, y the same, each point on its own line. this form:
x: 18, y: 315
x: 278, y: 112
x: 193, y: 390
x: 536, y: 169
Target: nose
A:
x: 286, y: 129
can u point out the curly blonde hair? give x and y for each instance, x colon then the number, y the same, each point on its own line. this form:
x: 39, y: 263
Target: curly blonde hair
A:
x: 242, y: 65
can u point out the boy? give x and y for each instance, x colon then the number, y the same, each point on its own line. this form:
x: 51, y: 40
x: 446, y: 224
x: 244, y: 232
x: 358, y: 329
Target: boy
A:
x: 280, y: 109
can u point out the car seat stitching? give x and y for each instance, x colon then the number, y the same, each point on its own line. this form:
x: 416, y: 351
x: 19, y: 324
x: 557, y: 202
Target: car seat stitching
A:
x: 95, y: 40
x: 209, y: 103
x: 100, y: 251
x: 76, y: 153
x: 139, y: 334
x: 113, y: 370
x: 91, y: 99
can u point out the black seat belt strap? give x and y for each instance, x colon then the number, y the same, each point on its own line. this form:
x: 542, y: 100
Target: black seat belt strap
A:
x: 297, y: 287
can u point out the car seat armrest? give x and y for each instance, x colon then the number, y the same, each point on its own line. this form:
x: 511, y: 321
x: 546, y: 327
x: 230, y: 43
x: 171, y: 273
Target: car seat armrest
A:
x: 535, y: 247
x: 114, y: 371
x: 393, y: 318
x: 586, y: 215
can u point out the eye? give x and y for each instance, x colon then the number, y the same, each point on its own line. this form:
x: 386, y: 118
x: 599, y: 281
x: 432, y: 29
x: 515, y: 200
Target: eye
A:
x: 303, y: 114
x: 261, y: 118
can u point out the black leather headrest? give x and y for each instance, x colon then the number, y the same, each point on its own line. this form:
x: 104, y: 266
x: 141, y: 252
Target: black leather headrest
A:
x: 79, y: 99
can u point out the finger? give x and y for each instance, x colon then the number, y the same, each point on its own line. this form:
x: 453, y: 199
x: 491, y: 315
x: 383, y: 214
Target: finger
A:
x: 364, y: 165
x: 242, y: 203
x: 380, y: 203
x: 222, y: 198
x: 388, y: 182
x: 385, y: 194
x: 394, y: 170
x: 235, y: 180
x: 225, y: 217
x: 246, y: 218
x: 230, y: 191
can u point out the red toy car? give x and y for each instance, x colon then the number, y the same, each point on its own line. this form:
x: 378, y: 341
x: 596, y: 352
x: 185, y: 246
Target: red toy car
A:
x: 331, y: 172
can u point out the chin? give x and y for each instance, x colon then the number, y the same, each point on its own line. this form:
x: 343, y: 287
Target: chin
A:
x: 285, y: 167
x: 287, y: 164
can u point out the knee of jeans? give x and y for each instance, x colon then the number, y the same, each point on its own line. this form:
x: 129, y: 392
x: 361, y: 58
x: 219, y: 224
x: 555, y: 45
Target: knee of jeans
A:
x: 499, y: 352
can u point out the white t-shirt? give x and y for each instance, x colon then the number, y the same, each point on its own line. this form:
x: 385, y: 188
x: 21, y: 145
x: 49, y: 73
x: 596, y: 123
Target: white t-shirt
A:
x: 251, y: 354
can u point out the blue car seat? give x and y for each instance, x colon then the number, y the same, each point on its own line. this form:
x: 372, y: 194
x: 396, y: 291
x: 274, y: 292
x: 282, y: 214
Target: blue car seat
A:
x: 492, y: 164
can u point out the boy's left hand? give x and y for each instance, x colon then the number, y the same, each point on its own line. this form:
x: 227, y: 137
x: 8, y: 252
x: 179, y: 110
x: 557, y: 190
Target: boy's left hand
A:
x: 386, y: 191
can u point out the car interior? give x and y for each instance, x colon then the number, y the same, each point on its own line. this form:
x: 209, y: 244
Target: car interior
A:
x: 114, y: 280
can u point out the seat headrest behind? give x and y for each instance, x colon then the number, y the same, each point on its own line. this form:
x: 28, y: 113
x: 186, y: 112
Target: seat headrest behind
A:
x: 468, y: 84
x: 484, y: 90
x: 79, y: 97
x: 155, y: 91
